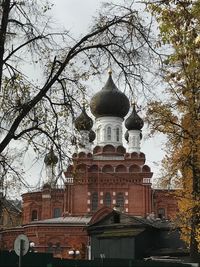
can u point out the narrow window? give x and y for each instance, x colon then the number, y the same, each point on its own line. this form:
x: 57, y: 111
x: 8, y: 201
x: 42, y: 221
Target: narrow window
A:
x: 34, y: 215
x: 58, y: 248
x: 49, y: 247
x: 117, y: 134
x: 94, y: 201
x: 161, y: 213
x: 56, y: 213
x: 107, y: 199
x: 109, y: 133
x: 120, y: 200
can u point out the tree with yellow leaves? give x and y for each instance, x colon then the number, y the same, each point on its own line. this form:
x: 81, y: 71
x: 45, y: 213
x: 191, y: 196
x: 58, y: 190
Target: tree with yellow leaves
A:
x: 178, y: 116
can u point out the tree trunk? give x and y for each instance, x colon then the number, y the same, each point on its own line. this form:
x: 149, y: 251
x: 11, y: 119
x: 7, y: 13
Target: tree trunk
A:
x: 194, y: 255
x: 3, y: 30
x: 195, y: 220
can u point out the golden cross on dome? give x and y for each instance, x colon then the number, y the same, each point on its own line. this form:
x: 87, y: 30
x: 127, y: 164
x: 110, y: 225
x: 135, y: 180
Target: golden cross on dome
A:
x: 110, y: 71
x: 133, y: 102
x: 84, y: 102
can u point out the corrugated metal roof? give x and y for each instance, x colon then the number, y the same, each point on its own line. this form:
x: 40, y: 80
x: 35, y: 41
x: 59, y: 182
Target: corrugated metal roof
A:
x: 66, y: 220
x: 121, y: 233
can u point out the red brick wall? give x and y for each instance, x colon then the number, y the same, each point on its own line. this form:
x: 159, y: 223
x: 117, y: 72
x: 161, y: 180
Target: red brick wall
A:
x: 75, y: 200
x: 166, y: 200
x: 68, y: 237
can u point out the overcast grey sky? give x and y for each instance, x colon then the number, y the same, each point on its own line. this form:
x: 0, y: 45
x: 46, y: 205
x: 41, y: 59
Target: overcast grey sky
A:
x: 76, y: 16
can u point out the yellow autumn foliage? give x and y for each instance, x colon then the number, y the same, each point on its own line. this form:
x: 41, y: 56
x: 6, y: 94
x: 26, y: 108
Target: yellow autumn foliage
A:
x: 178, y: 116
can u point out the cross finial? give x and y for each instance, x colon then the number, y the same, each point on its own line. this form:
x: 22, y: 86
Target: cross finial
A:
x: 133, y: 102
x: 110, y: 72
x: 83, y: 102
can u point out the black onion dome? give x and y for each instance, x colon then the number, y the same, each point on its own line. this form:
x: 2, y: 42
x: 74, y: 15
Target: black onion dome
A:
x: 92, y: 136
x: 134, y: 122
x: 83, y: 121
x: 50, y: 158
x: 110, y: 101
x: 126, y: 135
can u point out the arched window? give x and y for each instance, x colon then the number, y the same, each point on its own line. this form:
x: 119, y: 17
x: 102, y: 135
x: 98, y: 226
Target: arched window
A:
x: 56, y: 213
x: 161, y: 213
x: 120, y: 200
x: 94, y: 201
x: 53, y: 248
x: 107, y: 199
x: 58, y: 248
x: 34, y: 215
x: 109, y: 133
x: 49, y: 247
x: 117, y: 134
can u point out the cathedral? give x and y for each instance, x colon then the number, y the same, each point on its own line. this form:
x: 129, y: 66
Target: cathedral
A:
x: 104, y: 176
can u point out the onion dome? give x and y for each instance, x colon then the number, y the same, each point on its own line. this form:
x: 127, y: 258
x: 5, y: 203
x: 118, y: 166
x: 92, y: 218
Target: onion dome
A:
x: 46, y: 186
x: 134, y: 122
x: 126, y: 135
x: 50, y: 158
x: 92, y: 136
x: 83, y: 122
x: 110, y: 101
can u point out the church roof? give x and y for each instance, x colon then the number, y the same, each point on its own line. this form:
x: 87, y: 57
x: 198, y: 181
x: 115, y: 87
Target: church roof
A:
x: 127, y: 220
x: 82, y: 220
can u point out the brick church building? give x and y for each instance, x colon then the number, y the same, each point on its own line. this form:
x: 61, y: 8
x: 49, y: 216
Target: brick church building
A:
x: 103, y: 175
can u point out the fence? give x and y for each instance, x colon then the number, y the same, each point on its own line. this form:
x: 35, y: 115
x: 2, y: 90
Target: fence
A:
x: 10, y: 259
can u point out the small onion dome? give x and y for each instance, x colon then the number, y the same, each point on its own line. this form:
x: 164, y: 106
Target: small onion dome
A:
x: 92, y: 136
x: 134, y: 122
x: 46, y: 186
x: 83, y: 122
x: 110, y: 101
x: 50, y: 158
x: 126, y: 135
